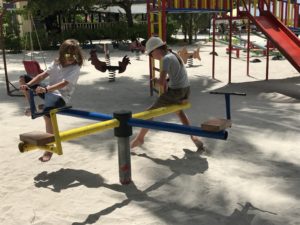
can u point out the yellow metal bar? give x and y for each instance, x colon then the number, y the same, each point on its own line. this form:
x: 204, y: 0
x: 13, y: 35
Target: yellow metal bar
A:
x: 161, y: 88
x: 58, y: 148
x: 54, y: 147
x: 153, y: 70
x: 152, y: 23
x: 176, y: 4
x: 88, y: 129
x: 288, y: 19
x: 254, y: 6
x: 160, y: 32
x: 186, y: 4
x: 160, y: 25
x: 28, y: 147
x: 97, y: 127
x: 279, y: 10
x: 152, y: 28
x: 196, y: 4
x: 275, y: 8
x: 75, y: 133
x: 160, y: 111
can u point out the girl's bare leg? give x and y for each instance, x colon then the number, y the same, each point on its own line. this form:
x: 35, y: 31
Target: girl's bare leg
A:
x: 49, y: 129
x: 22, y: 82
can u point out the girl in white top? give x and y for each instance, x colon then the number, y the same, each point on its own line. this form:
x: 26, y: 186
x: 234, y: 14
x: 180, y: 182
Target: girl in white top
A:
x: 63, y: 75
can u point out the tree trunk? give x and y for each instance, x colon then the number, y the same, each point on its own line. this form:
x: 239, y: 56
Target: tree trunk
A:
x: 126, y: 5
x: 129, y: 16
x: 190, y: 29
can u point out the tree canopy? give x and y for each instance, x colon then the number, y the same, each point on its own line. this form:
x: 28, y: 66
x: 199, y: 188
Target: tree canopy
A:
x: 44, y: 8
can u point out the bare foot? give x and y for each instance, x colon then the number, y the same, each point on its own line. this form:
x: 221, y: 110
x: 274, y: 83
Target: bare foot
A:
x: 199, y: 144
x: 136, y: 142
x: 46, y: 157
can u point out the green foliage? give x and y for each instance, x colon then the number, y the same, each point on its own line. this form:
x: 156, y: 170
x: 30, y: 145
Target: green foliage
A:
x: 41, y: 40
x: 116, y: 32
x: 172, y: 28
x: 85, y: 36
x: 190, y: 24
x: 11, y: 30
x: 68, y: 8
x: 45, y: 8
x: 13, y: 43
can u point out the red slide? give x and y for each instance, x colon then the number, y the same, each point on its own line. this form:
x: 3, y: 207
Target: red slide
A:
x: 281, y: 36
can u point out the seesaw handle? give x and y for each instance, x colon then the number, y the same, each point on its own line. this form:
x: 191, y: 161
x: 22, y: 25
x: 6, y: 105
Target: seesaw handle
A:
x: 36, y: 115
x: 227, y: 100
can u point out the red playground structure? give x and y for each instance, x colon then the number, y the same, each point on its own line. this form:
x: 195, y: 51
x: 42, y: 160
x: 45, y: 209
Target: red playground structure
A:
x: 274, y: 18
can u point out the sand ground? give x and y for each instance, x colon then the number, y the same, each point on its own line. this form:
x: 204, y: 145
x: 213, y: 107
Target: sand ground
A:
x: 252, y: 178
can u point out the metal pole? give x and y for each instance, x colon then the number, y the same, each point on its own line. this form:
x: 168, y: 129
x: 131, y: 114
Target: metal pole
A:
x: 2, y: 42
x: 123, y: 132
x: 230, y: 41
x: 124, y: 160
x: 267, y: 59
x: 214, y: 47
x: 227, y: 102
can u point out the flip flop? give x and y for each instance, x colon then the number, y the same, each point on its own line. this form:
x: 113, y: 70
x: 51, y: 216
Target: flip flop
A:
x: 46, y: 157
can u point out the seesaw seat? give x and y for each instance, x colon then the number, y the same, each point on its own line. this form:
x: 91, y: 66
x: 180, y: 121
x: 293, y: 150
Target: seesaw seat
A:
x: 37, y: 138
x: 216, y: 125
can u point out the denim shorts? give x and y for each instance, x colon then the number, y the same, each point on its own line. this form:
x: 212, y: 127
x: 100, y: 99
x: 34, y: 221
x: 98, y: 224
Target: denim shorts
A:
x: 51, y: 101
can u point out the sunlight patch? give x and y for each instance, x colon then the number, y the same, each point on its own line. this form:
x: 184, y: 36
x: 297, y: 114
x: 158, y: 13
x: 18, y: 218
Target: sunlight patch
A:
x: 278, y: 146
x: 276, y: 97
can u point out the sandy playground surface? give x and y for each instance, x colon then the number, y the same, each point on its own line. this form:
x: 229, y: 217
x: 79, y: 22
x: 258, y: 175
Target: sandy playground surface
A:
x: 252, y: 178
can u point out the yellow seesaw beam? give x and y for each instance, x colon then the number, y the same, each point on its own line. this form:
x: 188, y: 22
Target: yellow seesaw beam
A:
x: 74, y: 133
x: 102, y: 126
x: 160, y: 111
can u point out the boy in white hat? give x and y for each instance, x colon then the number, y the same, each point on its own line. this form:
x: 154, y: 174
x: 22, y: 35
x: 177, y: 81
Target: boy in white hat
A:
x: 178, y: 89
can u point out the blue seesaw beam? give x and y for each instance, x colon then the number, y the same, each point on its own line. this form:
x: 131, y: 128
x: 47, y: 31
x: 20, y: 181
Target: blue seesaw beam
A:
x: 156, y: 125
x: 86, y: 115
x: 177, y: 128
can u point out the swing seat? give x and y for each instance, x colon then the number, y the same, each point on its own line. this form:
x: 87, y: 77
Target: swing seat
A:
x: 32, y: 67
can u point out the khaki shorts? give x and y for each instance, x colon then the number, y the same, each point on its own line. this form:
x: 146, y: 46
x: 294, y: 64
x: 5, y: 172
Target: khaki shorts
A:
x: 171, y: 97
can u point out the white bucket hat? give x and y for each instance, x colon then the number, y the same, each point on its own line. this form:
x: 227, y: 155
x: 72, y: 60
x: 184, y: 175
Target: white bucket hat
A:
x: 153, y: 43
